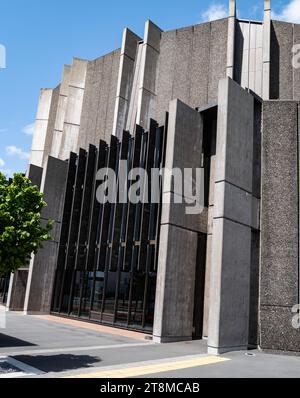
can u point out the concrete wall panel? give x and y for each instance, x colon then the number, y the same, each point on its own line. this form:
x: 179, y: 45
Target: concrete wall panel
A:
x: 296, y: 70
x: 235, y: 146
x: 42, y: 266
x: 281, y: 61
x: 218, y: 57
x: 279, y: 273
x: 279, y: 282
x: 128, y: 61
x: 99, y: 100
x: 166, y: 73
x: 199, y: 69
x: 175, y: 285
x: 174, y: 308
x: 183, y: 63
x: 229, y: 290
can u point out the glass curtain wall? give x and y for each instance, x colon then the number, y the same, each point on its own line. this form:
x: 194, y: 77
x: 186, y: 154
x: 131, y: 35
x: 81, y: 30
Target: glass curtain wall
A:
x: 107, y: 261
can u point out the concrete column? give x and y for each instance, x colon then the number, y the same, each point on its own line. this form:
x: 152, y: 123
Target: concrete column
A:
x: 232, y: 221
x: 231, y: 39
x: 209, y: 253
x: 147, y: 81
x: 125, y: 80
x: 43, y: 126
x: 71, y: 128
x: 17, y: 290
x: 133, y: 103
x: 42, y: 266
x: 279, y: 276
x: 10, y: 291
x: 266, y: 50
x: 173, y: 318
x: 61, y: 112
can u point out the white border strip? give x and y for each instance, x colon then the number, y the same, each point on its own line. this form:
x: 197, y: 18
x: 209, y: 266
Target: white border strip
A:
x: 26, y: 370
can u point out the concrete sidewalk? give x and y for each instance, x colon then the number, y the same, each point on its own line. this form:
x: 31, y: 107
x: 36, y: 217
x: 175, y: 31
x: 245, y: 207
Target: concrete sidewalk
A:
x: 55, y: 347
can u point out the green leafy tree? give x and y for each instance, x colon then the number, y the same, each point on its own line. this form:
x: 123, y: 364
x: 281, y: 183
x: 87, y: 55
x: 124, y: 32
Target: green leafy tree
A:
x: 21, y: 230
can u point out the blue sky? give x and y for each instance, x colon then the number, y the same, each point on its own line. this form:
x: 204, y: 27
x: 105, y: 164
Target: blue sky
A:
x: 42, y: 35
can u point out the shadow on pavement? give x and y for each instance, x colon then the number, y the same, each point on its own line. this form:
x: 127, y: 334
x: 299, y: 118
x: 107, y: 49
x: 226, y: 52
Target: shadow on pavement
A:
x: 58, y: 363
x: 9, y: 341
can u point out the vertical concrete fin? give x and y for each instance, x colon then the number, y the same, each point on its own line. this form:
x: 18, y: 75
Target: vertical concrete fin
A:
x: 61, y: 111
x: 72, y: 119
x: 232, y: 8
x: 147, y: 80
x: 266, y: 50
x: 232, y: 221
x: 279, y: 268
x: 41, y: 127
x: 173, y: 317
x: 42, y: 266
x: 125, y: 80
x: 231, y: 39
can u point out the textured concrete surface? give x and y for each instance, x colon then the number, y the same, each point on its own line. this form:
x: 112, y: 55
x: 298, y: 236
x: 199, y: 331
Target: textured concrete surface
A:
x: 281, y: 61
x: 99, y: 99
x: 77, y: 80
x: 178, y: 244
x: 229, y: 287
x: 228, y: 327
x: 266, y: 50
x: 16, y: 295
x: 44, y: 125
x: 235, y: 136
x: 173, y: 317
x: 42, y: 266
x: 147, y: 82
x: 125, y: 80
x: 249, y: 56
x: 231, y: 39
x: 277, y: 331
x: 297, y: 70
x: 279, y: 267
x: 279, y: 284
x: 191, y: 62
x: 61, y: 111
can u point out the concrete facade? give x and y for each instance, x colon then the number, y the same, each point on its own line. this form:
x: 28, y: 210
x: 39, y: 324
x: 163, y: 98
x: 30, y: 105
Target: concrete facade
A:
x: 177, y: 268
x: 279, y: 279
x: 42, y: 266
x: 232, y: 221
x: 231, y: 94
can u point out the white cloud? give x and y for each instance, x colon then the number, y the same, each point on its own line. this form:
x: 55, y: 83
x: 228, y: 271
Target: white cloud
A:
x: 2, y: 163
x: 6, y: 172
x: 290, y: 13
x: 29, y: 129
x: 215, y: 11
x: 14, y: 151
x: 3, y: 130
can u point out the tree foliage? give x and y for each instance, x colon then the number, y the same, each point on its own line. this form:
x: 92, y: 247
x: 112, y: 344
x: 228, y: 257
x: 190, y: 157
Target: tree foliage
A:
x: 21, y: 230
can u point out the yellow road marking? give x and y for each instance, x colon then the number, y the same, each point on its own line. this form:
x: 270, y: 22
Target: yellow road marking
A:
x: 152, y: 369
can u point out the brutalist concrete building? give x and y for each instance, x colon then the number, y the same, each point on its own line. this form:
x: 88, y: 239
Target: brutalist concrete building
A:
x: 222, y: 96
